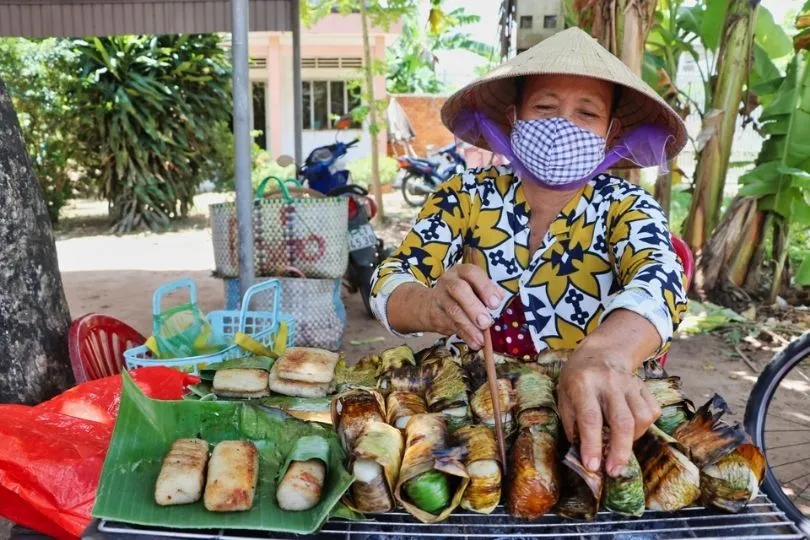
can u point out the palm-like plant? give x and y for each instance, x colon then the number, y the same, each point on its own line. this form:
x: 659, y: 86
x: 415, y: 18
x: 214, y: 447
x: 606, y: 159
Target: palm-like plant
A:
x: 149, y: 108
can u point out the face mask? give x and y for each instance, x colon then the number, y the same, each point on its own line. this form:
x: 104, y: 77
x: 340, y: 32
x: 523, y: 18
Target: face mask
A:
x: 556, y: 151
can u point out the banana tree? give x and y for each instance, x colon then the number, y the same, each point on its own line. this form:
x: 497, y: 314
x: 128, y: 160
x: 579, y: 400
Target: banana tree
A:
x: 775, y: 195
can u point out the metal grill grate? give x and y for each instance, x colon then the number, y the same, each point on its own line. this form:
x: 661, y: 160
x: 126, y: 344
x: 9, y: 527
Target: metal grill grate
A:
x: 760, y: 520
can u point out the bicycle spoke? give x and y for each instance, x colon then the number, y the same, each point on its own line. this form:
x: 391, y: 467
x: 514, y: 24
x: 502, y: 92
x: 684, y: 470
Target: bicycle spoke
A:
x: 791, y: 420
x: 785, y: 430
x: 790, y: 463
x: 787, y: 445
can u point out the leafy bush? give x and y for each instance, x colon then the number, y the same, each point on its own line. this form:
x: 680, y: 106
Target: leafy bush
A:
x: 151, y: 115
x: 39, y: 78
x: 361, y: 170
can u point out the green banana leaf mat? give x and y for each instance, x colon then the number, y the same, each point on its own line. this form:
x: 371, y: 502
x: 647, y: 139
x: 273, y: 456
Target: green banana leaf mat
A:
x: 145, y: 431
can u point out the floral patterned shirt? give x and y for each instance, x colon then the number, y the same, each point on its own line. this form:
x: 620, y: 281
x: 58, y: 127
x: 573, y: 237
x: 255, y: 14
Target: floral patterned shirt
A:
x: 609, y: 248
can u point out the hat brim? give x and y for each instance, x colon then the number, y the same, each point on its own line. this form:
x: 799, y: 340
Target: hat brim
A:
x: 571, y: 52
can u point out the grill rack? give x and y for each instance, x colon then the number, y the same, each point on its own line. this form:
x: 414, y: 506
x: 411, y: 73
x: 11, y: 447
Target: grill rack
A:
x: 760, y: 520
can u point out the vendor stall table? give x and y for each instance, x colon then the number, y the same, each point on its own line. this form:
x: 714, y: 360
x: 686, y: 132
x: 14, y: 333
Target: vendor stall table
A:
x: 762, y: 519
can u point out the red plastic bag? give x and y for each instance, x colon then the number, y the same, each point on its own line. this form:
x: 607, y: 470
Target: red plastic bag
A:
x: 51, y: 455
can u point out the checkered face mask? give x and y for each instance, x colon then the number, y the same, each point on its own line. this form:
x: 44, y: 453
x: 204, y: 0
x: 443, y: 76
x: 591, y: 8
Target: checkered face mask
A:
x: 557, y: 151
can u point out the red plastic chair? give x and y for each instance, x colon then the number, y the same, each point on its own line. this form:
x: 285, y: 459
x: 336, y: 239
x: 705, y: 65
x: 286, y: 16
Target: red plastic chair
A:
x: 688, y: 261
x: 96, y: 344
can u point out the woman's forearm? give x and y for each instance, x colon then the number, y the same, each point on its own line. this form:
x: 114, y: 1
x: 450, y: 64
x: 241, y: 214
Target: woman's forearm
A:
x: 624, y: 336
x: 407, y: 308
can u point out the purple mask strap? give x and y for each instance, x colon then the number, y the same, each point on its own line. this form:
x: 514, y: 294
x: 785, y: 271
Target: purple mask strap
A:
x: 645, y: 146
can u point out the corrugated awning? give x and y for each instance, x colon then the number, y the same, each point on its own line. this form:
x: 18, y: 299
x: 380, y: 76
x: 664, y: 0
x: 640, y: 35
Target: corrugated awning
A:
x: 77, y: 18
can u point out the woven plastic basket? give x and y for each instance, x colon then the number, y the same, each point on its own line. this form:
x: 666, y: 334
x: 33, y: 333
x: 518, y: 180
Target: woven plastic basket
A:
x: 260, y: 324
x: 314, y: 304
x: 290, y: 228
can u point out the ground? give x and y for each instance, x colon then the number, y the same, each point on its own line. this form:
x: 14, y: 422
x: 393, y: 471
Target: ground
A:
x: 117, y: 276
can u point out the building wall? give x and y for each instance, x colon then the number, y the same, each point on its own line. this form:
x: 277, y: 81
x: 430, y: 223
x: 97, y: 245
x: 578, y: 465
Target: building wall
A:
x: 424, y: 113
x: 334, y: 37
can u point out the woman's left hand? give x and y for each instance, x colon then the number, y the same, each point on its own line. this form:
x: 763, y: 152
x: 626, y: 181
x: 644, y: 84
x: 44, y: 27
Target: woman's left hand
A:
x: 597, y: 388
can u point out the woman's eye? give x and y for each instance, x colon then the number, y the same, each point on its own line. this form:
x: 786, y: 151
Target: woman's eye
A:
x: 589, y: 114
x: 544, y: 107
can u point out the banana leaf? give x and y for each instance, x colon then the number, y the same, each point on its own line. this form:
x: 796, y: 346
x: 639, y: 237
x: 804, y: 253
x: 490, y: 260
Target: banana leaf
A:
x: 425, y: 451
x: 534, y: 486
x: 383, y: 445
x: 624, y: 494
x: 582, y: 493
x: 401, y: 406
x: 733, y: 482
x: 248, y: 362
x: 413, y: 379
x: 551, y: 362
x: 483, y: 409
x: 304, y: 449
x: 667, y: 391
x: 671, y: 481
x: 396, y: 357
x: 353, y: 410
x: 706, y: 437
x: 482, y: 460
x: 534, y: 390
x: 306, y: 409
x: 146, y: 429
x: 448, y: 387
x: 674, y: 416
x: 362, y: 374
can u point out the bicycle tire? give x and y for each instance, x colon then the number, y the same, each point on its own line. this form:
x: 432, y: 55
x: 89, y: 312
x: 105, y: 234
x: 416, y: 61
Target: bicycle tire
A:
x: 756, y: 412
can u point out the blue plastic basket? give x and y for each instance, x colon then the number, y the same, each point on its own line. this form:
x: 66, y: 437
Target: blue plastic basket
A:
x: 260, y: 325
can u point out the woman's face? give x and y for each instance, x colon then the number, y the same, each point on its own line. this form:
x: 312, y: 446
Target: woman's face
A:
x: 582, y: 100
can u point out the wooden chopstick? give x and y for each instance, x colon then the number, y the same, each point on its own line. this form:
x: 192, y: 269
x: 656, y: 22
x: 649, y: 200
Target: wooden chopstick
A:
x: 473, y: 256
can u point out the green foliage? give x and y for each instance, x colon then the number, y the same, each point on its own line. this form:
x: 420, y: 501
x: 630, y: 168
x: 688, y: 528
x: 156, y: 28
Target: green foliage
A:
x: 40, y: 80
x: 412, y: 59
x: 151, y: 113
x: 360, y: 170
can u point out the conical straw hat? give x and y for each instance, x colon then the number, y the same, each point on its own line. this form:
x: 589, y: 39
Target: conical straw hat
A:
x: 570, y: 52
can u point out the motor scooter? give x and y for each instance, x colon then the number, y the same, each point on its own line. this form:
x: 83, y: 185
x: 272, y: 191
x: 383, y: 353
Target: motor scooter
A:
x: 323, y: 171
x: 421, y: 177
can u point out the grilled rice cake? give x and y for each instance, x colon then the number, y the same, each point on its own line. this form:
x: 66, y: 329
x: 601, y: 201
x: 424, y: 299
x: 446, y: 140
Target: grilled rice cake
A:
x: 289, y: 387
x: 182, y: 474
x: 233, y: 472
x: 241, y: 382
x: 306, y: 364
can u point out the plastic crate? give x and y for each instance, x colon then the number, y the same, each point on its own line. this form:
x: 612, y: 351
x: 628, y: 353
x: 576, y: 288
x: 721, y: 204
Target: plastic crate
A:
x: 261, y: 325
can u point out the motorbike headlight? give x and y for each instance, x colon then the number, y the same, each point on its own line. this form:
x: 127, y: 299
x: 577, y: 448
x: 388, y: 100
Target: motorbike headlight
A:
x: 322, y: 154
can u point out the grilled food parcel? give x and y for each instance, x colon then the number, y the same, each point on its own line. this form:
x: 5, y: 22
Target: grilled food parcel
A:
x: 689, y: 457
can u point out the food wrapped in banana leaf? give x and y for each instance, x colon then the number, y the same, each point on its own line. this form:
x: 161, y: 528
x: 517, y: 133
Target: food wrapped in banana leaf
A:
x: 534, y: 390
x: 363, y: 374
x: 353, y: 410
x: 306, y: 409
x: 733, y: 482
x: 582, y: 489
x: 706, y: 437
x: 376, y: 459
x: 434, y: 353
x: 624, y: 494
x: 543, y: 417
x: 413, y: 379
x: 432, y: 480
x: 675, y: 408
x: 483, y: 408
x: 550, y: 362
x: 396, y: 357
x: 534, y: 486
x: 482, y: 462
x: 447, y: 392
x: 401, y: 406
x: 671, y: 481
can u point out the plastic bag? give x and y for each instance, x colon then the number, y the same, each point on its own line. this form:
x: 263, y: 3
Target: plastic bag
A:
x: 51, y: 455
x: 182, y: 332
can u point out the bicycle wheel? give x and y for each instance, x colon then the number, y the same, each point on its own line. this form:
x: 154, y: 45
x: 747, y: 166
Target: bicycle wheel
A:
x: 777, y: 416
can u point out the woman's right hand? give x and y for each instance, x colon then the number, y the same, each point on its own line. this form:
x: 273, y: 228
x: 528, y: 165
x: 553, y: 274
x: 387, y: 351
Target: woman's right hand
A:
x: 459, y: 304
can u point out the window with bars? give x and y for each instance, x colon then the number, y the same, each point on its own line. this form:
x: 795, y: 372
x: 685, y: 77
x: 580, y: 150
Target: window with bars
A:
x: 325, y: 102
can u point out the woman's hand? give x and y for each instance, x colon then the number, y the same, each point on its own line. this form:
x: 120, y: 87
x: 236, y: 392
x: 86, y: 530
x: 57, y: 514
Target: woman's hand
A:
x: 457, y: 304
x: 596, y: 389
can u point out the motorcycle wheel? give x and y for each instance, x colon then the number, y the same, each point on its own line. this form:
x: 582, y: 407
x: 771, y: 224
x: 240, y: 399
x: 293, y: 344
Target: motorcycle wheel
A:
x: 413, y: 199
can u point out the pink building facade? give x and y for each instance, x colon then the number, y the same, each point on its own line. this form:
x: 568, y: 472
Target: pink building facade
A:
x: 331, y: 61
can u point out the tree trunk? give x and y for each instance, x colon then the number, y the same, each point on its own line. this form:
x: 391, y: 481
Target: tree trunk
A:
x: 34, y: 316
x: 372, y: 108
x: 719, y: 124
x: 781, y: 239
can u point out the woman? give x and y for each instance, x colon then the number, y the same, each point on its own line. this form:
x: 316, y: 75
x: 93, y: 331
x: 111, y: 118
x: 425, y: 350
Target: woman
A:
x: 575, y: 258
